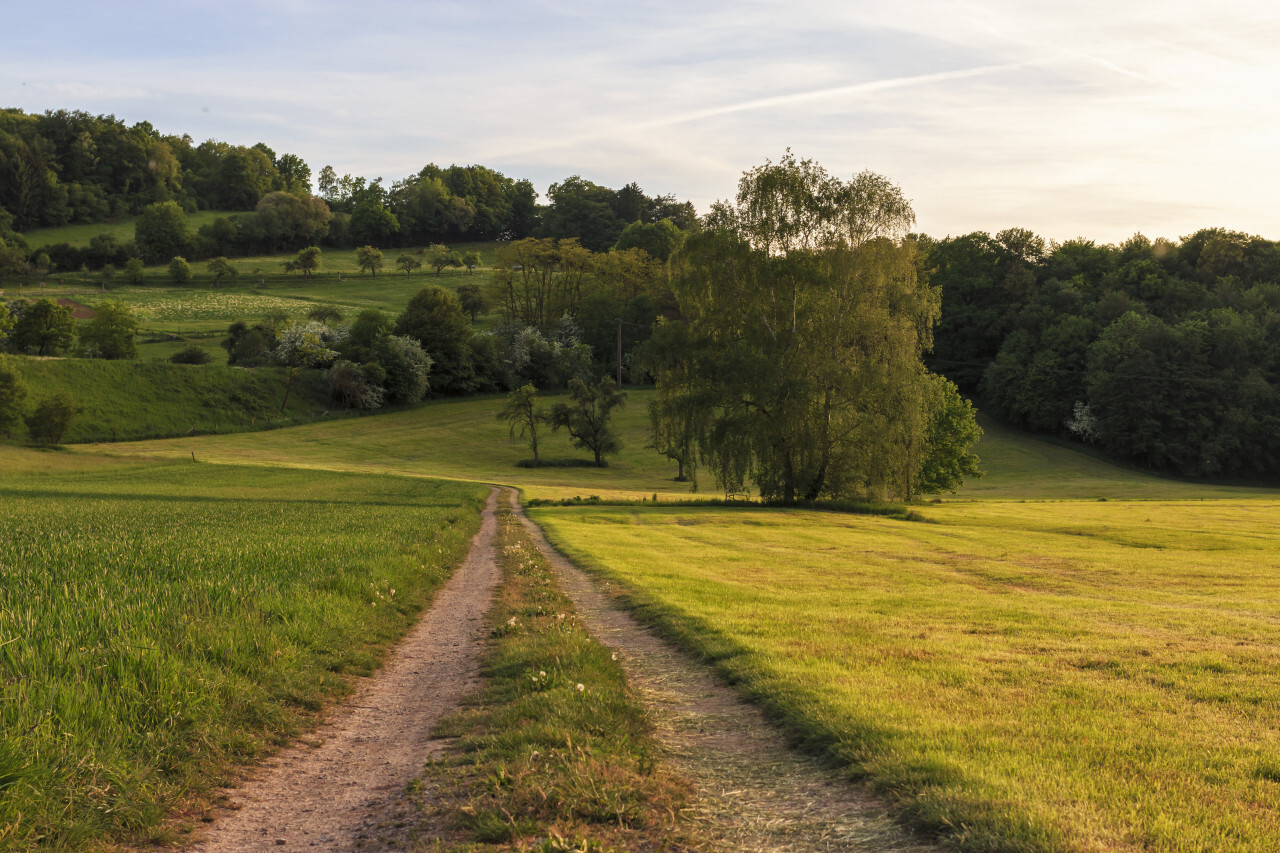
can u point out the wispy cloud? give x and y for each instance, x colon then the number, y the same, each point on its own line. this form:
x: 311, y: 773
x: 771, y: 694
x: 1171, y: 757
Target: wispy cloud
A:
x: 1091, y: 118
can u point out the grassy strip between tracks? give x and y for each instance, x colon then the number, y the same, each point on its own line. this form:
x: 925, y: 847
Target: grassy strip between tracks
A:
x: 555, y: 752
x: 163, y: 624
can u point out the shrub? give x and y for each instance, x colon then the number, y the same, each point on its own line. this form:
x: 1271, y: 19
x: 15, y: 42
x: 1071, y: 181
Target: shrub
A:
x: 52, y: 417
x: 191, y: 355
x: 13, y: 397
x: 179, y: 270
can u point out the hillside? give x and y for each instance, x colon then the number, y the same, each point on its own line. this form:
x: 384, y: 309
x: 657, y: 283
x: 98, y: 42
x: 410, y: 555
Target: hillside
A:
x: 127, y: 400
x: 463, y: 440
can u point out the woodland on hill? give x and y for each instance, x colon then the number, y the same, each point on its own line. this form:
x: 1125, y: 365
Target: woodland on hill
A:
x: 1163, y: 353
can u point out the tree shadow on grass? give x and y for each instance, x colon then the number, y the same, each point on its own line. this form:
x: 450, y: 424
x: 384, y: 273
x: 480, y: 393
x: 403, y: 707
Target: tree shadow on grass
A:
x: 559, y: 463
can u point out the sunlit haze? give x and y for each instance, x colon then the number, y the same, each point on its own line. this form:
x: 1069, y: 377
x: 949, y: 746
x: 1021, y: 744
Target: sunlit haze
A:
x: 1072, y: 119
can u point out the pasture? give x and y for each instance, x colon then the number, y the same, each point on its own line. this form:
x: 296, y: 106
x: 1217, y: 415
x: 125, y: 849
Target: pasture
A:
x: 171, y: 316
x: 157, y: 631
x: 1028, y: 668
x: 1015, y: 676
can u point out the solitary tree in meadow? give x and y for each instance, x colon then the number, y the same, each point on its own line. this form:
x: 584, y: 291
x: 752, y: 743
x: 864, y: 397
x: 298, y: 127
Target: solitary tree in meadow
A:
x: 369, y: 259
x: 408, y: 263
x: 522, y: 413
x: 587, y: 415
x: 220, y: 268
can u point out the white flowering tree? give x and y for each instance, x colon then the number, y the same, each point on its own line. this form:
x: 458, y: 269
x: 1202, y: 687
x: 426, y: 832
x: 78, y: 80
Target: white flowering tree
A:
x: 305, y: 345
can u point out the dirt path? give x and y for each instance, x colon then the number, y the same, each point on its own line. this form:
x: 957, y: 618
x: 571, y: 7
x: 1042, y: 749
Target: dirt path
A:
x: 753, y: 794
x: 331, y: 796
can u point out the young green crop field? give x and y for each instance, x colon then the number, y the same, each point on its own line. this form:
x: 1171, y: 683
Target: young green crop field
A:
x: 157, y: 630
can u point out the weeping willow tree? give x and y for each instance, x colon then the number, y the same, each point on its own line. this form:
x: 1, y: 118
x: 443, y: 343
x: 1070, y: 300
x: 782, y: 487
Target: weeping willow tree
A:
x: 796, y: 363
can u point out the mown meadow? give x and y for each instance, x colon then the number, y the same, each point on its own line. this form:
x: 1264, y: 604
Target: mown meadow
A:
x: 1074, y: 675
x: 157, y: 631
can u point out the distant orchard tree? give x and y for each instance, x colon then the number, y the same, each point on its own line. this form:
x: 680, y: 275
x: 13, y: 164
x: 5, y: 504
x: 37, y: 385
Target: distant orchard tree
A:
x: 308, y: 261
x: 43, y: 326
x: 408, y: 263
x: 179, y: 270
x: 112, y: 332
x: 470, y: 260
x: 369, y: 259
x: 135, y: 271
x: 220, y: 268
x: 440, y: 256
x: 107, y: 274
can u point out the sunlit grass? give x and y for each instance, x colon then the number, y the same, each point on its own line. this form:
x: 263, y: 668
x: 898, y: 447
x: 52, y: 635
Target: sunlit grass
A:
x: 161, y: 623
x: 1061, y: 676
x: 454, y: 439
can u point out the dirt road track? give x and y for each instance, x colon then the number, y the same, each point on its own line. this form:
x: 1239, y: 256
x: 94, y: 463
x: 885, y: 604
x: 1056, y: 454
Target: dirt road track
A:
x: 332, y: 796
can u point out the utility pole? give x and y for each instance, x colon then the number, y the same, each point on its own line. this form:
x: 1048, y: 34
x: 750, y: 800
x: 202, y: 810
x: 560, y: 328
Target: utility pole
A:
x: 619, y: 353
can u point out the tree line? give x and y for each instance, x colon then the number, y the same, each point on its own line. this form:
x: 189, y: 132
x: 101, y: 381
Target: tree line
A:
x: 1162, y: 353
x: 65, y: 167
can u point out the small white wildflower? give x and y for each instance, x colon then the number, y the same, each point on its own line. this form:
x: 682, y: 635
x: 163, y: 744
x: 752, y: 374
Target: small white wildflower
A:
x: 542, y: 673
x: 581, y: 687
x: 511, y: 622
x: 614, y: 656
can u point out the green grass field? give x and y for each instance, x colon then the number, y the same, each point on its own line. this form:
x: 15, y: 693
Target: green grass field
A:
x: 80, y: 234
x: 453, y: 439
x: 1031, y: 668
x: 156, y: 629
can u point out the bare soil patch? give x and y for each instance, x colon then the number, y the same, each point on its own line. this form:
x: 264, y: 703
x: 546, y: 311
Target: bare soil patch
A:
x: 333, y: 791
x: 80, y: 312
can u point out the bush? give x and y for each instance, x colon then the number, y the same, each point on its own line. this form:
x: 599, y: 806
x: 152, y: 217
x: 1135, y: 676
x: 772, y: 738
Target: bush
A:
x: 191, y: 355
x: 179, y: 270
x: 52, y: 418
x: 13, y: 397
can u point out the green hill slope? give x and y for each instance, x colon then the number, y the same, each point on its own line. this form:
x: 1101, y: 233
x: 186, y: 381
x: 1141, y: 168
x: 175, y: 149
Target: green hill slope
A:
x: 125, y: 400
x: 463, y: 440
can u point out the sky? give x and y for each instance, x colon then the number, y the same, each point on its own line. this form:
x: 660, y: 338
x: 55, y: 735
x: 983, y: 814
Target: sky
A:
x: 1073, y: 119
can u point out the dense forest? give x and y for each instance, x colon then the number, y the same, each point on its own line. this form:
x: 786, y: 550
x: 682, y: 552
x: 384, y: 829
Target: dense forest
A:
x: 1164, y: 353
x: 65, y: 167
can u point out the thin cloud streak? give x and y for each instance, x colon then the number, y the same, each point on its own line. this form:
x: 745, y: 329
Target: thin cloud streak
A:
x: 775, y: 101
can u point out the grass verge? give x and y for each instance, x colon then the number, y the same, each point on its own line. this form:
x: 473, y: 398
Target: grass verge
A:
x: 555, y: 753
x: 164, y: 624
